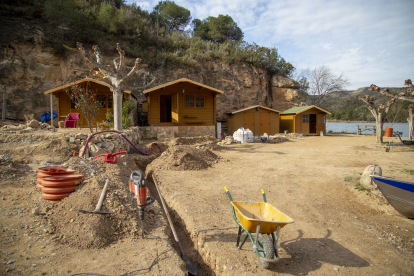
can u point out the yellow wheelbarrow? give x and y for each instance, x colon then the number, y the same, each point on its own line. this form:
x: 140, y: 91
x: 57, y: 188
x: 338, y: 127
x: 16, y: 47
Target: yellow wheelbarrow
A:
x: 260, y: 218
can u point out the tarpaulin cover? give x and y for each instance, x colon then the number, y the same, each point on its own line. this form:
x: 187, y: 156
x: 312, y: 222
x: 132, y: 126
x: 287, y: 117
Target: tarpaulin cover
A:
x: 46, y: 116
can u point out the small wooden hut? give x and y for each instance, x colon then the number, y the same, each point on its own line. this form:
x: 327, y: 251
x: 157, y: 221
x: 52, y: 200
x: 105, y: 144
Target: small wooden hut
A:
x: 182, y: 102
x: 66, y: 106
x: 258, y: 119
x: 309, y: 120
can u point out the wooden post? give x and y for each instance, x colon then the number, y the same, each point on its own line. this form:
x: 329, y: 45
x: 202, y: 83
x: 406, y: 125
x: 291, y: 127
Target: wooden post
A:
x: 51, y: 109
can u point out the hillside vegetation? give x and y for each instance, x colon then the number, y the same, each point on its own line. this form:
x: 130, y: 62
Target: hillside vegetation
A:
x: 345, y: 105
x: 161, y: 37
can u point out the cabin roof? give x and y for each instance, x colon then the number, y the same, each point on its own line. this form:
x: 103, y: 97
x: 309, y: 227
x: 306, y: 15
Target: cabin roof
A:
x: 182, y: 80
x: 300, y: 109
x: 78, y: 82
x: 254, y: 106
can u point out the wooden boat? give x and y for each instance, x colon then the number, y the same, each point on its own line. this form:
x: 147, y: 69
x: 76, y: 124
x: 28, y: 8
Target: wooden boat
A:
x: 399, y: 193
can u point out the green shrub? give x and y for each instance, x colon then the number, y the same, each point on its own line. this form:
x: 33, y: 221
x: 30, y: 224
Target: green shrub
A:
x: 127, y: 107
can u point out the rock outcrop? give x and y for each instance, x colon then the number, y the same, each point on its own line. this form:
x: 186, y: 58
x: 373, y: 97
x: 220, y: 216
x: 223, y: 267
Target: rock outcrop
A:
x: 34, y: 70
x: 286, y: 93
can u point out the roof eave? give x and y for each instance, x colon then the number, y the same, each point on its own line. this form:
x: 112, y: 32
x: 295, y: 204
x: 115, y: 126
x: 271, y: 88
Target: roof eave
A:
x: 254, y: 106
x: 212, y: 89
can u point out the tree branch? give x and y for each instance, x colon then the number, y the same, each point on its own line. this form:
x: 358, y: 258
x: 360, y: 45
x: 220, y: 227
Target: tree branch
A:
x: 97, y: 53
x: 370, y: 102
x: 142, y: 87
x: 72, y: 49
x: 386, y: 92
x: 136, y: 66
x: 116, y: 64
x: 88, y: 58
x: 389, y: 103
x: 121, y: 59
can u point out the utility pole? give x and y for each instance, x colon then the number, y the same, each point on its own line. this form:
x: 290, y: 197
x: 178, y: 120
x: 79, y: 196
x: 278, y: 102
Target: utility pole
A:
x: 3, y: 112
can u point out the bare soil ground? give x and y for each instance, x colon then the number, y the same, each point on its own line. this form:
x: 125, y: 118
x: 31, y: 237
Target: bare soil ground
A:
x: 337, y: 230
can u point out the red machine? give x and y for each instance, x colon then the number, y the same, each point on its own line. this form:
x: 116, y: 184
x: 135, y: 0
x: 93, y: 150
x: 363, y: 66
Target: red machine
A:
x: 137, y: 187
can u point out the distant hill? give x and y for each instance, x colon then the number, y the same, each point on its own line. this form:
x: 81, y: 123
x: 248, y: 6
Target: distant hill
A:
x: 345, y: 105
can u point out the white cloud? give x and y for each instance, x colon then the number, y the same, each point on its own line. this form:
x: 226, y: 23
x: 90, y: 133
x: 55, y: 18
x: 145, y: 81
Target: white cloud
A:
x: 369, y: 41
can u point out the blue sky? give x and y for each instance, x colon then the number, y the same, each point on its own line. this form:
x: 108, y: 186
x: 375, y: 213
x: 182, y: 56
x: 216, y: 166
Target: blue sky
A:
x: 370, y: 41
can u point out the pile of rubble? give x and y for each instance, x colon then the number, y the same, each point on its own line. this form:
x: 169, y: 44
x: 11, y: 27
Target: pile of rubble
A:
x: 29, y: 126
x: 295, y: 136
x: 277, y: 138
x: 229, y: 140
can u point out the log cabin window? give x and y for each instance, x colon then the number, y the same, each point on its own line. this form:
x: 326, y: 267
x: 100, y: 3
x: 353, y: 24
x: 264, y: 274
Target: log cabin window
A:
x: 321, y: 119
x: 194, y: 101
x: 306, y: 119
x: 101, y: 100
x: 199, y: 101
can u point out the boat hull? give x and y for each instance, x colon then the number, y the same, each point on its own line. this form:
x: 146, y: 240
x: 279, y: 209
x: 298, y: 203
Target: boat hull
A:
x: 399, y: 193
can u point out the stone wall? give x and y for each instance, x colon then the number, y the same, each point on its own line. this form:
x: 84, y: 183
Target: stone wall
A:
x: 162, y: 132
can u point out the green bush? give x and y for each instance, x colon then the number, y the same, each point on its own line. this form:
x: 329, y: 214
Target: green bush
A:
x: 127, y: 107
x: 113, y: 21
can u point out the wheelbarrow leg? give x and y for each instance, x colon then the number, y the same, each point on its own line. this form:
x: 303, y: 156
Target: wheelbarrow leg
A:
x: 238, y: 236
x: 244, y: 240
x: 275, y: 240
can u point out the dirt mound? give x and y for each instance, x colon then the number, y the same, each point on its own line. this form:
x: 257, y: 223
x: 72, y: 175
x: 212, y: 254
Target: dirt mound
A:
x: 199, y: 140
x: 84, y: 230
x: 181, y: 158
x: 10, y: 169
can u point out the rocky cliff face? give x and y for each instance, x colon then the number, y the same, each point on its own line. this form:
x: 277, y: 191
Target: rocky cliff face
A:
x: 34, y: 70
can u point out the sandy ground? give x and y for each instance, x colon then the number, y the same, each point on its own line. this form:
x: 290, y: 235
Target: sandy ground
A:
x: 337, y: 229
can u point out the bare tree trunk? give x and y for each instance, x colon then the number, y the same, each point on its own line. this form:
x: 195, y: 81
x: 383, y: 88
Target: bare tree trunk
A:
x: 118, y: 107
x: 410, y: 120
x: 379, y: 114
x: 379, y: 123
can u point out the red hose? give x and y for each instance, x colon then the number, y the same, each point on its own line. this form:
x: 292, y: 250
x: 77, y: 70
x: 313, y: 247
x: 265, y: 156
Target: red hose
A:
x: 93, y: 134
x: 110, y: 157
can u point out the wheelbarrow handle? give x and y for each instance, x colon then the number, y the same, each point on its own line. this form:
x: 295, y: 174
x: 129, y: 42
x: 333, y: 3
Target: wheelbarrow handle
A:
x: 228, y: 193
x: 264, y: 195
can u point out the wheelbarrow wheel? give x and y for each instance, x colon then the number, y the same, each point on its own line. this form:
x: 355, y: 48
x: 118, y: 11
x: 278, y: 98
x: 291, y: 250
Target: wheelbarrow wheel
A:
x: 266, y: 250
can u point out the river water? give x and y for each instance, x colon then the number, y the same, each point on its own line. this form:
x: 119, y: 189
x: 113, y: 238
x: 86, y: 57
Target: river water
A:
x: 352, y: 127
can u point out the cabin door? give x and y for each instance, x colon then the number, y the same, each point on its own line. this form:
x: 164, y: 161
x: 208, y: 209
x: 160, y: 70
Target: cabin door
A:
x: 312, y: 123
x: 321, y: 123
x: 165, y: 109
x: 265, y: 123
x: 174, y: 108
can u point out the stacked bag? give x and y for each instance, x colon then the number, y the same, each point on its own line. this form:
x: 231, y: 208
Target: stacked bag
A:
x: 57, y: 182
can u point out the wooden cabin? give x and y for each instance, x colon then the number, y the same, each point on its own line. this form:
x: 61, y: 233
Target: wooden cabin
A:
x: 182, y: 102
x: 309, y: 120
x: 65, y: 105
x: 258, y: 119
